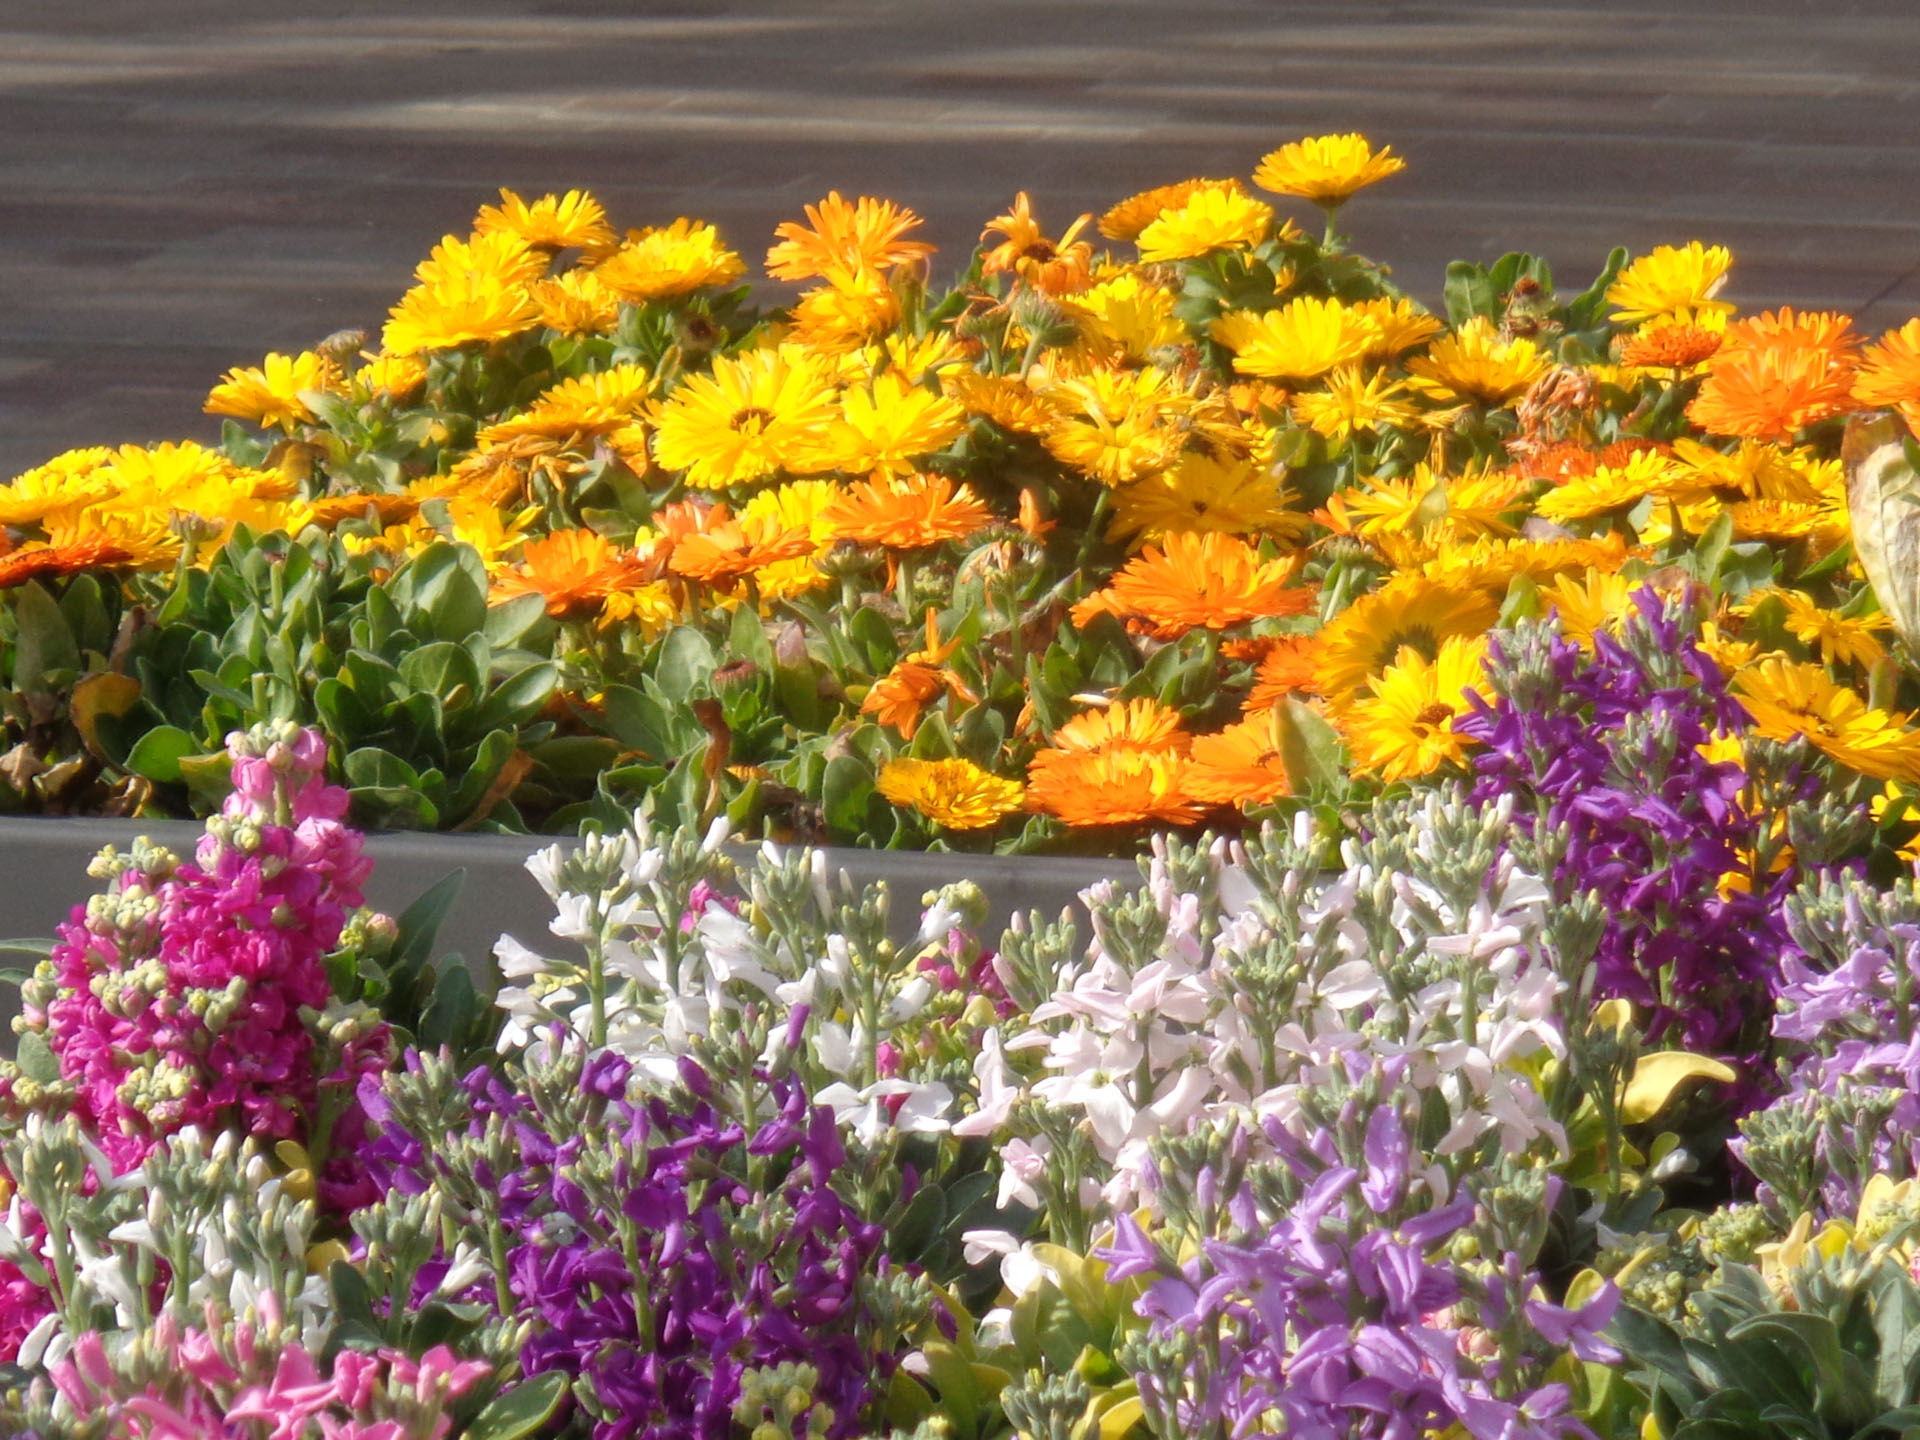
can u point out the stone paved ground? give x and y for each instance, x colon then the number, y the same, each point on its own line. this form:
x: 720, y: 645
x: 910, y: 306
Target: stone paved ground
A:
x: 186, y: 185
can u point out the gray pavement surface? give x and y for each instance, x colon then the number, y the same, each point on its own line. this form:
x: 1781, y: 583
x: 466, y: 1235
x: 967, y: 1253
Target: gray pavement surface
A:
x: 188, y: 184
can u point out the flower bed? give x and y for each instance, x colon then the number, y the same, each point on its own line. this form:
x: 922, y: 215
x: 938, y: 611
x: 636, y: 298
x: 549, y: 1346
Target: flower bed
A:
x: 1512, y: 1034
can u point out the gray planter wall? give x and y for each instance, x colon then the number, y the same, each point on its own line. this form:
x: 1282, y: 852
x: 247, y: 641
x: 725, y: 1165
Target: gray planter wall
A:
x: 43, y: 875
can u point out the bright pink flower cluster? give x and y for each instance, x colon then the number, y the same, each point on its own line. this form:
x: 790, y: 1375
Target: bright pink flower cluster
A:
x: 217, y: 1387
x: 178, y: 993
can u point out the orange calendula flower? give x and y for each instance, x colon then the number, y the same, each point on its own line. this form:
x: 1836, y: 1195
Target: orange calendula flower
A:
x: 1671, y: 347
x: 908, y: 513
x: 1239, y: 766
x: 1778, y: 373
x: 1288, y: 668
x: 845, y: 239
x: 1113, y: 787
x: 1890, y: 373
x: 575, y: 570
x: 1209, y: 580
x: 897, y: 698
x: 956, y: 794
x: 1055, y: 267
x: 726, y: 548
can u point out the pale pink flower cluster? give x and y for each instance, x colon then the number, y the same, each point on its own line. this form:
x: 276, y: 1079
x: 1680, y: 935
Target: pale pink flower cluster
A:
x: 177, y: 995
x: 234, y: 1381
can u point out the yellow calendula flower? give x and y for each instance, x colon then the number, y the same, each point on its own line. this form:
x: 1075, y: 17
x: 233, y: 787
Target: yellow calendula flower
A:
x: 956, y: 794
x: 1396, y: 325
x: 660, y: 262
x: 574, y: 220
x: 1118, y: 425
x: 1125, y: 317
x: 1326, y: 169
x: 1475, y: 365
x: 585, y: 405
x: 799, y: 505
x: 1204, y: 493
x: 1609, y: 489
x: 888, y: 426
x: 755, y: 415
x: 1403, y: 726
x: 578, y: 302
x: 1353, y: 400
x: 1302, y: 340
x: 391, y: 377
x: 1126, y: 220
x: 70, y: 482
x: 1839, y: 639
x: 269, y: 394
x: 1787, y: 699
x: 462, y: 310
x: 847, y: 314
x: 1361, y: 641
x: 1006, y: 400
x: 1216, y: 217
x: 500, y: 256
x: 1672, y: 284
x: 1599, y: 601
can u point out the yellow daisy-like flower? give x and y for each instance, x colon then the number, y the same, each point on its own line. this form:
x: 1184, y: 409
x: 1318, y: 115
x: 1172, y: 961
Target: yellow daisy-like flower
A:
x: 269, y: 394
x: 1006, y: 400
x: 1202, y: 493
x: 1787, y: 699
x: 799, y: 505
x: 1840, y: 639
x: 754, y: 416
x: 1126, y: 220
x: 500, y: 256
x: 1354, y: 400
x: 1125, y: 317
x: 1783, y: 520
x: 390, y: 377
x: 1598, y: 602
x: 1407, y: 611
x: 1474, y: 365
x: 576, y: 303
x: 1302, y: 340
x: 1672, y: 284
x: 1492, y: 563
x: 956, y: 794
x: 68, y: 483
x: 1403, y: 727
x: 914, y: 357
x: 1118, y: 425
x: 1609, y: 489
x: 660, y: 262
x: 1397, y: 325
x: 589, y: 404
x: 124, y: 541
x: 463, y: 310
x: 574, y: 220
x: 1326, y: 169
x: 1216, y: 217
x: 851, y: 312
x: 887, y: 427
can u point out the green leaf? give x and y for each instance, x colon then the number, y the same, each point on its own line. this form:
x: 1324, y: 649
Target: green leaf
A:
x: 86, y: 614
x: 440, y: 669
x: 686, y: 661
x: 419, y: 924
x: 1711, y: 550
x: 1469, y: 291
x: 517, y: 699
x: 1309, y: 749
x: 449, y: 589
x: 158, y: 753
x: 748, y: 639
x: 375, y: 768
x: 844, y: 794
x: 638, y: 721
x: 521, y: 1411
x: 450, y: 1016
x: 36, y: 1059
x: 797, y: 689
x: 1587, y: 309
x: 45, y: 642
x: 510, y: 620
